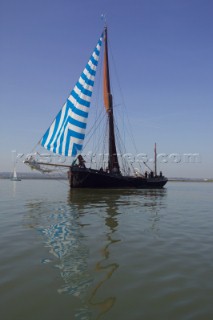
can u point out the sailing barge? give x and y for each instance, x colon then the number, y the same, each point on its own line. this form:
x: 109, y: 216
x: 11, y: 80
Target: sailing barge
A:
x: 66, y: 134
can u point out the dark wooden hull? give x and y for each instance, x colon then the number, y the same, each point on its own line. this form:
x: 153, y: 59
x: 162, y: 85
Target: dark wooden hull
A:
x: 90, y: 178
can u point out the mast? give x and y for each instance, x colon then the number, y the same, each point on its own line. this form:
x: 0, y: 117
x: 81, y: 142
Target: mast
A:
x: 108, y: 102
x: 155, y: 160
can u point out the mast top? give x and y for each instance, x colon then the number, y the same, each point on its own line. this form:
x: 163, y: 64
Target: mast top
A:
x: 103, y: 17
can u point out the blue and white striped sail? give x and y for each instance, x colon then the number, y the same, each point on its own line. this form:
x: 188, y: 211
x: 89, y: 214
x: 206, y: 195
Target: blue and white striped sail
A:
x: 66, y: 134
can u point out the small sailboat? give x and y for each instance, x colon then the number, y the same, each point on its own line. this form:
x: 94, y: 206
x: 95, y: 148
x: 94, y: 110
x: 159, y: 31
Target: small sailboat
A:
x: 14, y: 174
x: 66, y: 135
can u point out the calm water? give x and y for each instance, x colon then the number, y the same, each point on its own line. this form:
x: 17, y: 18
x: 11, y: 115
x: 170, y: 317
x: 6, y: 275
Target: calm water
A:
x: 101, y: 254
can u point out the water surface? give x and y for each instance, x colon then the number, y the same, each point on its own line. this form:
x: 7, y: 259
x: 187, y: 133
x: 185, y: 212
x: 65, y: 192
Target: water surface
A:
x: 105, y: 254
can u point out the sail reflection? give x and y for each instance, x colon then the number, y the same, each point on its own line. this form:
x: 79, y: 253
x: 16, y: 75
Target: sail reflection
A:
x: 62, y: 234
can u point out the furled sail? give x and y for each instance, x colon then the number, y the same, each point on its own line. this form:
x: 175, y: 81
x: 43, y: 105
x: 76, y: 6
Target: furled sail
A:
x: 106, y: 82
x: 66, y: 134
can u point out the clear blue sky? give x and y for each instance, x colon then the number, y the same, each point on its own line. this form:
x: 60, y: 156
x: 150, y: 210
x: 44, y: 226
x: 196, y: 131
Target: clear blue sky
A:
x: 164, y: 56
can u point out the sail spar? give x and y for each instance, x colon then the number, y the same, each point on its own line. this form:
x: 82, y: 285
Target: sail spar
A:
x: 66, y: 134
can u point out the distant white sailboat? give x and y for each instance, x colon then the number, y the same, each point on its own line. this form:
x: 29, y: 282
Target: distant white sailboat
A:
x: 14, y: 174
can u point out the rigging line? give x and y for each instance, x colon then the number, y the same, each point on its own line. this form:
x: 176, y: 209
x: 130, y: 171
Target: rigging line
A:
x: 119, y: 123
x: 94, y: 134
x: 123, y: 103
x: 147, y: 166
x: 97, y: 124
x: 102, y: 138
x: 105, y: 143
x: 119, y: 139
x: 99, y: 143
x: 122, y: 147
x: 93, y: 129
x: 102, y: 141
x: 140, y: 168
x: 122, y: 150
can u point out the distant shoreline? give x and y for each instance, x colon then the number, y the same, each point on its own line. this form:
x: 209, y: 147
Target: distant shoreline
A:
x: 37, y: 176
x: 33, y: 176
x: 190, y: 180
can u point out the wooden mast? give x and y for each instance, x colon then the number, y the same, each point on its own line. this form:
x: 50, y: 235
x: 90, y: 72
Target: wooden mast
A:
x: 113, y: 164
